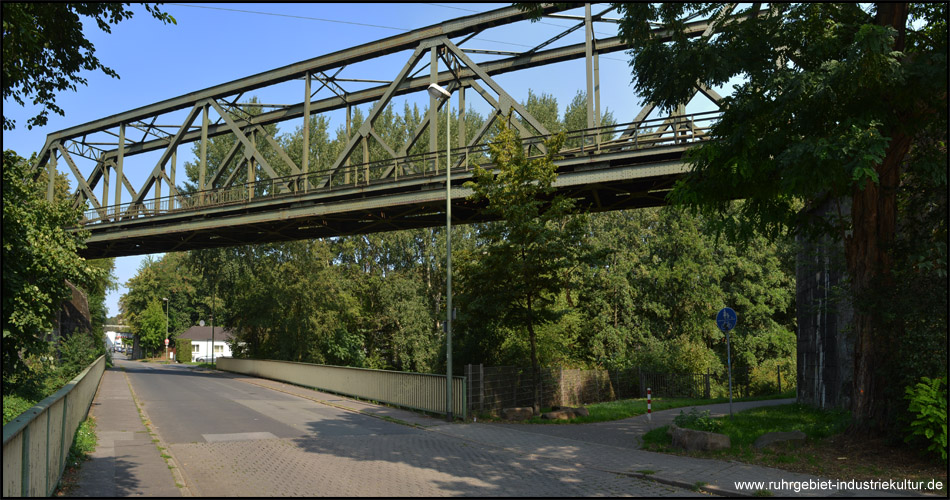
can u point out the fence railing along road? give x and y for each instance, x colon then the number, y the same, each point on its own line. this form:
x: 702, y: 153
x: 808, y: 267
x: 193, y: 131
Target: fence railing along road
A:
x: 36, y: 443
x: 419, y: 391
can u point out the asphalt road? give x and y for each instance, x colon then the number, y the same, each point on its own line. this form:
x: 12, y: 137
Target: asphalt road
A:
x: 232, y: 438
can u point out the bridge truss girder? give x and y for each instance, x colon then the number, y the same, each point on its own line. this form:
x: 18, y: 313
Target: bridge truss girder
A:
x: 105, y: 142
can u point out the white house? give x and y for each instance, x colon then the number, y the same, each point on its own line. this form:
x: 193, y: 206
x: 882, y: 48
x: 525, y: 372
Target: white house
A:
x: 202, y: 345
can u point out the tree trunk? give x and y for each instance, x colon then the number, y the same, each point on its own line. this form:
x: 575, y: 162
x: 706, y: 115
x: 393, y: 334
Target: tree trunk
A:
x: 874, y: 216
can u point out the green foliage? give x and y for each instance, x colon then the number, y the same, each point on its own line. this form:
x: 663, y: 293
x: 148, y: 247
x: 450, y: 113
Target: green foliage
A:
x: 39, y: 255
x: 14, y: 405
x: 84, y: 443
x: 746, y: 426
x: 77, y: 352
x: 45, y: 50
x: 928, y: 404
x: 183, y: 350
x: 523, y: 261
x: 763, y: 378
x: 700, y: 421
x: 831, y: 101
x: 149, y: 326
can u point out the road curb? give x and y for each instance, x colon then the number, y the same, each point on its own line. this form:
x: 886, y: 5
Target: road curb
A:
x: 176, y: 470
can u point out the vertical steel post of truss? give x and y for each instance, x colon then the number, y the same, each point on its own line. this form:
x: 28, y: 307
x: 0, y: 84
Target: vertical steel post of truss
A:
x: 366, y: 156
x: 461, y: 122
x: 118, y: 169
x: 588, y: 58
x: 204, y: 151
x: 305, y: 154
x: 433, y: 109
x: 679, y: 128
x: 51, y: 173
x: 596, y: 91
x: 158, y: 189
x: 346, y: 165
x: 105, y: 187
x: 251, y: 168
x: 171, y: 176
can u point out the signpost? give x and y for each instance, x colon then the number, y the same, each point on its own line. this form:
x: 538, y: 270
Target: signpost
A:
x: 166, y: 348
x: 726, y: 321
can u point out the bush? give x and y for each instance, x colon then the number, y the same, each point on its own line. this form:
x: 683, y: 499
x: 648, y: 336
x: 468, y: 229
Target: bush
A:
x: 928, y: 402
x: 763, y: 379
x: 13, y: 406
x: 700, y: 421
x: 77, y: 352
x: 183, y: 350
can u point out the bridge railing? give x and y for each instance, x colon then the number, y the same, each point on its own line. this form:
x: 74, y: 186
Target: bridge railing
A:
x: 36, y: 443
x: 419, y: 391
x: 631, y: 136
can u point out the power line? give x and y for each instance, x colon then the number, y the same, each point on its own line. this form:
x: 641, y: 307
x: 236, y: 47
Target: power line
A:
x: 289, y: 15
x: 362, y: 24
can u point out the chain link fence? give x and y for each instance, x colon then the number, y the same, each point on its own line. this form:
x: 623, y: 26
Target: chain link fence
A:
x: 493, y: 388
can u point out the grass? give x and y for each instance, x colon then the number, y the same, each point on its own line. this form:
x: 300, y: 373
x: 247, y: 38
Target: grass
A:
x: 84, y: 443
x: 746, y: 426
x: 626, y: 408
x: 827, y: 452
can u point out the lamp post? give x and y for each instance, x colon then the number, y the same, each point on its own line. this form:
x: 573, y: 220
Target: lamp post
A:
x: 213, y: 289
x: 165, y: 299
x: 440, y: 93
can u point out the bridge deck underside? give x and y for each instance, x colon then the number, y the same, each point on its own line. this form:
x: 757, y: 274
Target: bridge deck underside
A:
x: 598, y: 182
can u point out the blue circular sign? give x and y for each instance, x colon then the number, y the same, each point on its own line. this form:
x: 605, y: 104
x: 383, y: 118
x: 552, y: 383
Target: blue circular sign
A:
x: 726, y: 319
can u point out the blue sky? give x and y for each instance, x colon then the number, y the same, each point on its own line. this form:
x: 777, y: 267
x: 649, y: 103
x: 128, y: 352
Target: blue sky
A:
x: 219, y: 42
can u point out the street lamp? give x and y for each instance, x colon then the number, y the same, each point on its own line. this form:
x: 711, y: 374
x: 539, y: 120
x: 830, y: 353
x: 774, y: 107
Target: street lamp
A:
x: 213, y: 289
x: 439, y: 93
x: 165, y: 299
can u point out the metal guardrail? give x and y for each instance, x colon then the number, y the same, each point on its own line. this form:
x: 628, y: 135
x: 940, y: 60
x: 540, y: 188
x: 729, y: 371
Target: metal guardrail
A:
x: 36, y: 443
x: 419, y: 391
x: 686, y: 129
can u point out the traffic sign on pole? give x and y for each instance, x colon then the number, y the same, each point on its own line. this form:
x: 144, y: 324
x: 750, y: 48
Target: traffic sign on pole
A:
x: 726, y: 320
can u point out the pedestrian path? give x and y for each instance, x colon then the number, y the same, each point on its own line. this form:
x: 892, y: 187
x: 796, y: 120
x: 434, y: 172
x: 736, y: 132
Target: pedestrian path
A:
x: 628, y: 432
x: 126, y: 462
x: 614, y: 447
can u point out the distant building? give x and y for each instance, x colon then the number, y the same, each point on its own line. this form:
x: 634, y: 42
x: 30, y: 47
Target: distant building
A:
x: 201, y: 344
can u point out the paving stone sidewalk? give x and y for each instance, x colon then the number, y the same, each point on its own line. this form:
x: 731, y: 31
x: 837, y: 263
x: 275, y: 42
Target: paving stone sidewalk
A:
x: 126, y: 462
x: 614, y: 447
x: 606, y: 446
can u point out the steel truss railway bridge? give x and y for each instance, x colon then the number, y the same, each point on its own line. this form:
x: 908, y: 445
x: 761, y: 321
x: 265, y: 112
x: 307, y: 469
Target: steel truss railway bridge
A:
x: 249, y: 199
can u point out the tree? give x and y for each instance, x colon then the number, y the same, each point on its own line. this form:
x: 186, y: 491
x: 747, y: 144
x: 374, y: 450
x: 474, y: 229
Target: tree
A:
x: 39, y: 255
x: 833, y: 97
x: 523, y: 262
x: 149, y: 327
x: 44, y: 50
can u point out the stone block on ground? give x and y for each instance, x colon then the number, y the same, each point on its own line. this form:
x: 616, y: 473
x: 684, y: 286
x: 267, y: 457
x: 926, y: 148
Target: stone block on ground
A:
x: 793, y: 438
x: 565, y: 413
x: 692, y: 440
x: 521, y: 413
